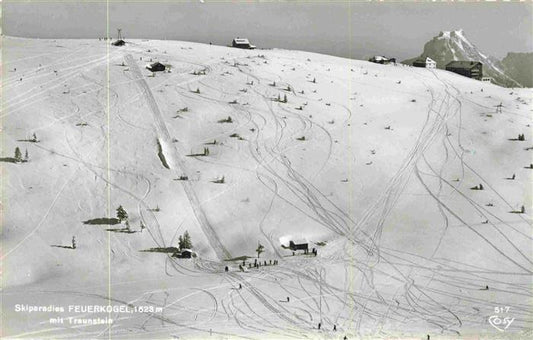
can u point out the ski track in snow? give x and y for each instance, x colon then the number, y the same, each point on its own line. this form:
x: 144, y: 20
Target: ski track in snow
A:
x: 425, y: 284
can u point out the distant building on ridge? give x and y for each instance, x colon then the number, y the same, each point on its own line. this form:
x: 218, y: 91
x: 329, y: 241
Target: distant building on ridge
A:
x: 426, y: 62
x: 470, y: 69
x: 242, y: 43
x: 118, y: 42
x: 378, y: 59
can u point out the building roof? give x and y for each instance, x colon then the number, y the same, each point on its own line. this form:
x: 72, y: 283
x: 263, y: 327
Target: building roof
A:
x: 463, y: 64
x: 424, y: 60
x: 155, y: 65
x: 379, y: 57
x: 241, y: 41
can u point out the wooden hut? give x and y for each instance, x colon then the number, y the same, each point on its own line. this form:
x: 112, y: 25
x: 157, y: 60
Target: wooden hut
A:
x: 299, y: 245
x: 242, y: 43
x: 156, y: 67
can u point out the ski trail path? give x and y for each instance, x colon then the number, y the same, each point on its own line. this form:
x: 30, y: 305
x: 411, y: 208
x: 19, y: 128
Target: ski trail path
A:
x: 176, y: 162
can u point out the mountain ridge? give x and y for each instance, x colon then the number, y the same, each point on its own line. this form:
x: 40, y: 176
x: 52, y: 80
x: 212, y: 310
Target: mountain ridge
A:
x: 519, y: 66
x: 453, y: 45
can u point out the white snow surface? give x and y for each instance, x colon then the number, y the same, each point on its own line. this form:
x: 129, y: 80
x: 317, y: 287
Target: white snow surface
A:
x: 380, y: 186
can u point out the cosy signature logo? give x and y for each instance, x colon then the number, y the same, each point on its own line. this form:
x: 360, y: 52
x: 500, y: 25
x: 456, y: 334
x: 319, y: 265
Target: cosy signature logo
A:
x: 500, y: 323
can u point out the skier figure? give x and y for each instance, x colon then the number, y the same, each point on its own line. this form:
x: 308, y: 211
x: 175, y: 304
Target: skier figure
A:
x: 319, y: 325
x: 334, y: 328
x: 288, y: 300
x: 240, y: 286
x: 226, y: 269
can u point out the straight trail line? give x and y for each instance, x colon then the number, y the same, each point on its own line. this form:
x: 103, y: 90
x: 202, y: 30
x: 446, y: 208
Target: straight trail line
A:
x: 176, y: 163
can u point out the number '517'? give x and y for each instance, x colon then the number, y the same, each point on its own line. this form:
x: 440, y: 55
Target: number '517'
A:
x: 503, y: 309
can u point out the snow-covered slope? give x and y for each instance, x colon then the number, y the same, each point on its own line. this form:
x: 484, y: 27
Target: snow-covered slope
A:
x: 453, y: 45
x: 372, y: 164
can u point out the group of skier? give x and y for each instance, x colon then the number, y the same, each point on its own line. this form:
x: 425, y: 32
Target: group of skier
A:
x: 255, y: 264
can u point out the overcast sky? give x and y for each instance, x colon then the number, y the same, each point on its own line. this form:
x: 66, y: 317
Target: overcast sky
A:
x: 340, y: 28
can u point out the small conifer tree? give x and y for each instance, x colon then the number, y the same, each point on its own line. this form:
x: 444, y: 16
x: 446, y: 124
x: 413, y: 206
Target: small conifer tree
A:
x: 260, y: 249
x: 18, y: 155
x: 184, y: 241
x: 187, y: 240
x: 122, y: 215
